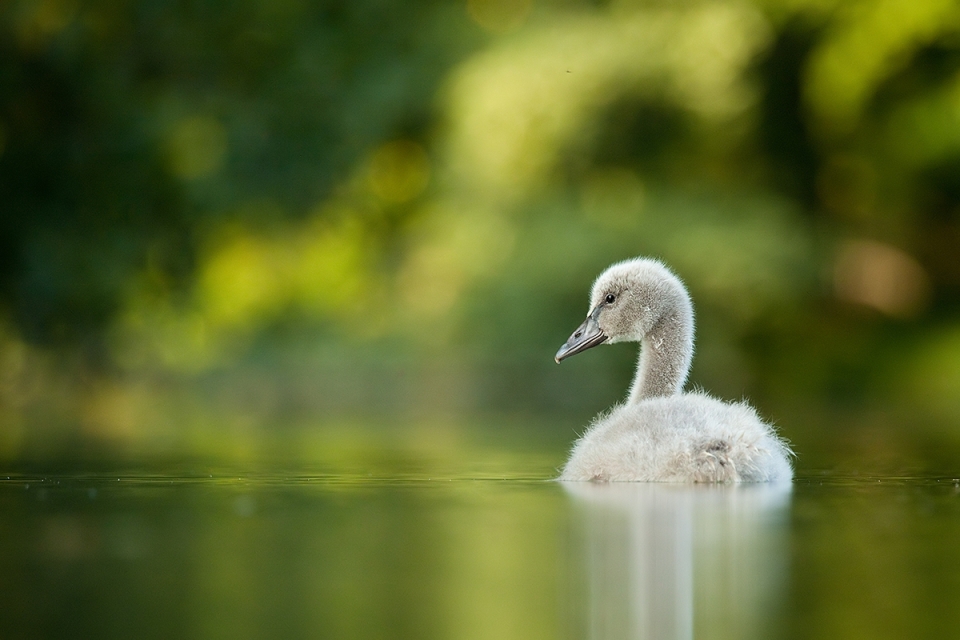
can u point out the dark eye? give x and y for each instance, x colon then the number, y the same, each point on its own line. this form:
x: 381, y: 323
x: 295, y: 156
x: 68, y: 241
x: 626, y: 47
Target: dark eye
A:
x: 610, y: 299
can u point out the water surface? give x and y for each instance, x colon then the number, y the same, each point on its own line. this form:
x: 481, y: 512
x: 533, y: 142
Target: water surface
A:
x: 421, y: 555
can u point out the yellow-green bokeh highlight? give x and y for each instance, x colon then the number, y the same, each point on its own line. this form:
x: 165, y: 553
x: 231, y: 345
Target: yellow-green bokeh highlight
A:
x: 196, y: 147
x: 399, y: 171
x: 499, y: 16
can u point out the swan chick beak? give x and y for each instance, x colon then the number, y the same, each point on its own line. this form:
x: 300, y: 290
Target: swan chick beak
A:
x: 589, y: 334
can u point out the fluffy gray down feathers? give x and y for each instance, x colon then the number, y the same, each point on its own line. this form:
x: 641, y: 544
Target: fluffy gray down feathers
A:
x: 660, y: 434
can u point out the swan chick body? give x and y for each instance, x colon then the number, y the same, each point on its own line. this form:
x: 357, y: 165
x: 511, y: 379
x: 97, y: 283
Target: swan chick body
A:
x: 659, y: 433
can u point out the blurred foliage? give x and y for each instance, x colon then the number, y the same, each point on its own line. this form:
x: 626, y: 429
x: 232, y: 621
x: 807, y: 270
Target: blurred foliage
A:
x: 337, y: 208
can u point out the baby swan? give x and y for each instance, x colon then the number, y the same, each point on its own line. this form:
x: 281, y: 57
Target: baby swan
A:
x: 660, y: 434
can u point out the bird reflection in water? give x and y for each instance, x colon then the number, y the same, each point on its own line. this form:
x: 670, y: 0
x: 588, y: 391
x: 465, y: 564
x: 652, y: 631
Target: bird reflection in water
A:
x: 681, y: 561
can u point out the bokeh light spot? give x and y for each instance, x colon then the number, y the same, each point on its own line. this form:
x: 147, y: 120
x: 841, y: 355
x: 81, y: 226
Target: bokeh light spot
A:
x: 240, y: 281
x: 330, y: 273
x: 40, y: 21
x: 881, y: 276
x: 399, y: 171
x: 499, y: 16
x: 196, y: 147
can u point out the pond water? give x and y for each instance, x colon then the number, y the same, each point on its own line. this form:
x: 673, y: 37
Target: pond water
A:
x: 516, y: 556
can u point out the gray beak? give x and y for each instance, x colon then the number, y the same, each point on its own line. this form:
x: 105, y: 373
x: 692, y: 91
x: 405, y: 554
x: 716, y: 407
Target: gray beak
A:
x: 587, y: 335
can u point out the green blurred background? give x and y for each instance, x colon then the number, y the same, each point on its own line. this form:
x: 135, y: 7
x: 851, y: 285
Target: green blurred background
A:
x: 352, y: 233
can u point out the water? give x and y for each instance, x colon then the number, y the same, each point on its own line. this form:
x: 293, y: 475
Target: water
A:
x: 490, y: 556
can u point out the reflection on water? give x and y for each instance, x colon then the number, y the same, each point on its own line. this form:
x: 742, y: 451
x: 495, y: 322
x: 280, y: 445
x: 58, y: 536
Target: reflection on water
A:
x: 669, y: 562
x: 434, y: 556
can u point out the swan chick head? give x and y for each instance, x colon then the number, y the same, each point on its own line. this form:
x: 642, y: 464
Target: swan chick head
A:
x: 626, y: 302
